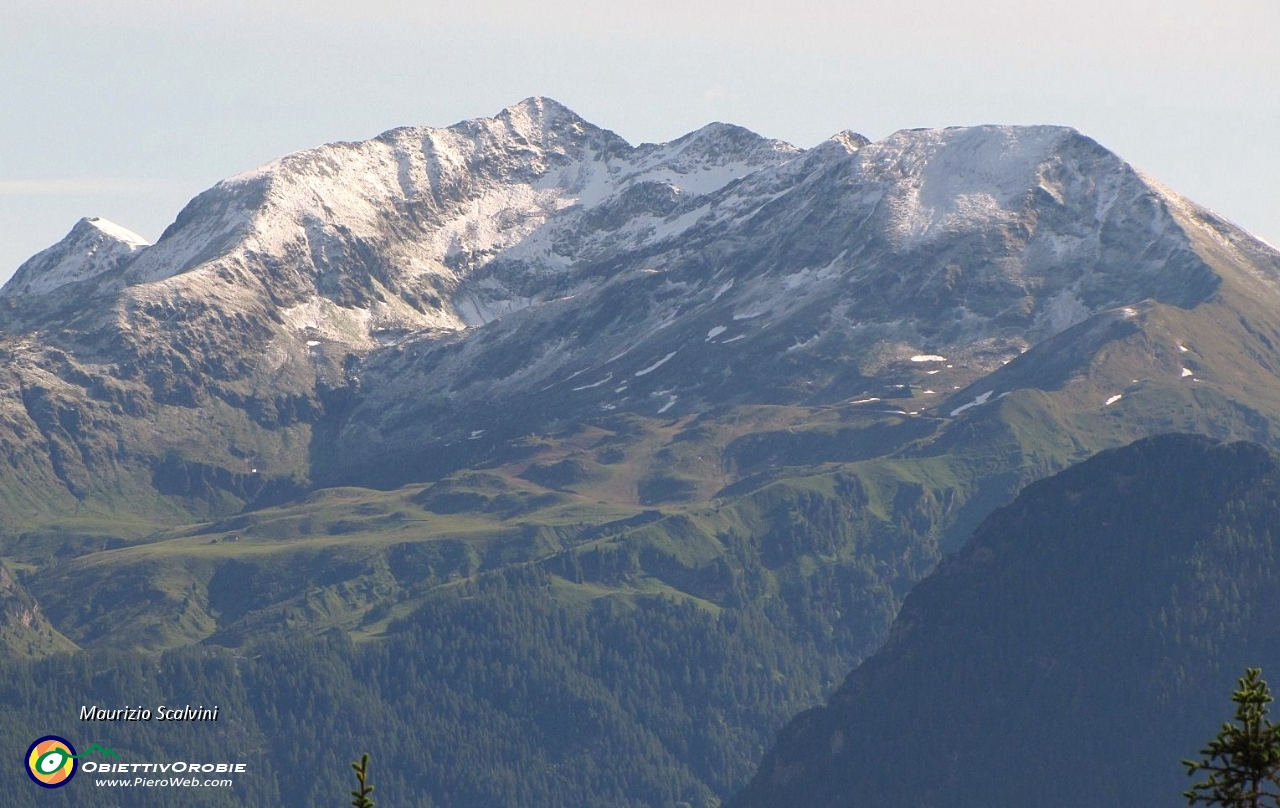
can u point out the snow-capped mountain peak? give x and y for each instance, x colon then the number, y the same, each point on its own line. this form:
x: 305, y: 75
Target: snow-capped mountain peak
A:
x: 539, y: 118
x: 115, y: 231
x: 93, y: 246
x: 442, y: 228
x: 848, y: 139
x: 947, y: 179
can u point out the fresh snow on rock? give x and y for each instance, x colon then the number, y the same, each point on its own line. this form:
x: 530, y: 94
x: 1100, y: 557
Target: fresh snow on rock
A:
x: 94, y: 246
x: 715, y: 332
x: 928, y: 358
x: 724, y: 288
x: 461, y: 225
x: 120, y: 234
x: 963, y: 176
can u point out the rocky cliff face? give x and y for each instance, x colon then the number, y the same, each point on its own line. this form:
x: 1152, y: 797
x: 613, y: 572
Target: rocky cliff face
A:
x: 25, y: 632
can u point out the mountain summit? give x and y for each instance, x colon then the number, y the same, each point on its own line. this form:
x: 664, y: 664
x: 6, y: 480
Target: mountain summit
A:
x: 93, y: 247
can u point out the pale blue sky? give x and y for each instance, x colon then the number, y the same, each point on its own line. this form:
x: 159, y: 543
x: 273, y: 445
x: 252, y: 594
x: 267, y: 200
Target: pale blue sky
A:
x: 127, y: 108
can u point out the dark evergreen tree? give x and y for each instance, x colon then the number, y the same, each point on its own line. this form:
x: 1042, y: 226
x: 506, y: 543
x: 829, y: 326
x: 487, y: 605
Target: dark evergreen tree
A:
x: 1243, y: 760
x: 362, y: 796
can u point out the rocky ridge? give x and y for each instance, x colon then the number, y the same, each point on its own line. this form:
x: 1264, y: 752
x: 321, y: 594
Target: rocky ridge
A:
x: 358, y: 311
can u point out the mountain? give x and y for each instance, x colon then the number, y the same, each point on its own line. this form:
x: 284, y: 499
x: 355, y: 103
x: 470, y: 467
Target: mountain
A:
x: 723, y: 384
x: 93, y: 246
x: 1084, y: 641
x: 248, y: 311
x: 533, y: 324
x: 350, y: 314
x: 834, y: 277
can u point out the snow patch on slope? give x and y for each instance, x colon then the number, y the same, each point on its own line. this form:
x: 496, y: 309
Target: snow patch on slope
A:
x: 977, y: 402
x: 656, y: 365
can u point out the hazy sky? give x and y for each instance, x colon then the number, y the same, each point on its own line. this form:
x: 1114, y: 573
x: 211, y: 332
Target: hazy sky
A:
x: 127, y: 108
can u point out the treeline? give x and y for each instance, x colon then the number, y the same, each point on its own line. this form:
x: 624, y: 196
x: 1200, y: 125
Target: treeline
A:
x: 500, y: 692
x: 647, y: 666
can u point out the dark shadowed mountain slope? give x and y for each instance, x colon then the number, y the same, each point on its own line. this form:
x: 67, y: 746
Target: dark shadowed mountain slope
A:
x: 1082, y: 643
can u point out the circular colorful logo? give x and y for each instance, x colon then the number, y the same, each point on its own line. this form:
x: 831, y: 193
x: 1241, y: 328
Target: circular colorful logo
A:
x: 51, y: 761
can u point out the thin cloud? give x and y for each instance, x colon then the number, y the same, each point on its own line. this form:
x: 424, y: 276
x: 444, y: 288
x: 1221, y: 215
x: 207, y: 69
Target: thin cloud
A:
x: 54, y: 186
